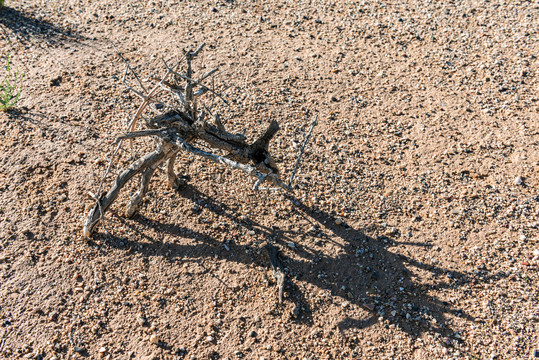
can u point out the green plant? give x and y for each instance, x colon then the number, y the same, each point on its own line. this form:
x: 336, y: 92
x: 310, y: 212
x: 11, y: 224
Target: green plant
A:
x: 1, y: 4
x: 11, y: 86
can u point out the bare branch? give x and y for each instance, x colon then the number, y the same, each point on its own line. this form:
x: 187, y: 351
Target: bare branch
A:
x: 278, y: 271
x: 128, y: 66
x: 197, y: 50
x: 210, y: 73
x: 103, y: 204
x: 154, y: 92
x: 204, y: 87
x: 296, y: 165
x: 141, y: 133
x: 248, y: 169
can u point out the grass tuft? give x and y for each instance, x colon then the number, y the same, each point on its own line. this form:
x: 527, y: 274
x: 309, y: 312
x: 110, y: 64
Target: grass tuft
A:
x: 10, y: 87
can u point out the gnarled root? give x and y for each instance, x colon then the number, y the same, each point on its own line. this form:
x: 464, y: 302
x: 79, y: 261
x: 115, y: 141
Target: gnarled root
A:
x: 147, y: 164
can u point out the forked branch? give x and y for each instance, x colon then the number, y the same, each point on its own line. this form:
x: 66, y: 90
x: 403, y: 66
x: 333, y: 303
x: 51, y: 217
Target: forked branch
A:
x: 177, y: 130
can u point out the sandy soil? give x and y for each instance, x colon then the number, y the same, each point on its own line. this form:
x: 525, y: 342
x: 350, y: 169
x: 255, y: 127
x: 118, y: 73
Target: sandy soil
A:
x: 412, y: 231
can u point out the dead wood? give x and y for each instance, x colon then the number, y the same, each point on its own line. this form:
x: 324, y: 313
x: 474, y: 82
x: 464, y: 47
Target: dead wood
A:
x: 177, y: 130
x: 278, y: 271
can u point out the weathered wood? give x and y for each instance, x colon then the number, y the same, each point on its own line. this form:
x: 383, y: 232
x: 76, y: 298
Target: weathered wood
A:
x: 136, y: 167
x: 177, y: 130
x: 278, y: 271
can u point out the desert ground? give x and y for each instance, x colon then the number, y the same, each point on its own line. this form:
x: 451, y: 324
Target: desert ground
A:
x: 411, y: 231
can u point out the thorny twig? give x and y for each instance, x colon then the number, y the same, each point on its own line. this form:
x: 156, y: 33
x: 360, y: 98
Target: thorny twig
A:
x: 296, y: 165
x: 97, y: 196
x: 204, y: 88
x: 128, y: 67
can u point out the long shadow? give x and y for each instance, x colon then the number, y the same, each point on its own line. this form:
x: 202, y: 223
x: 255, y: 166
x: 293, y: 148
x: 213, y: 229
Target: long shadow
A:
x: 27, y: 27
x: 364, y: 272
x: 383, y: 281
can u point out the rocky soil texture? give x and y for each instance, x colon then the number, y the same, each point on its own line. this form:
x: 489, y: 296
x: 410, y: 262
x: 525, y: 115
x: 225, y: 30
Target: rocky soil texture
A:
x: 412, y: 230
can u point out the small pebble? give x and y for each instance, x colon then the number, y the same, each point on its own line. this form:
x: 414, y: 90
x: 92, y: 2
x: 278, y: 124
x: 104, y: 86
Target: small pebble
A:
x: 53, y: 316
x: 338, y: 221
x: 154, y: 339
x: 252, y: 333
x: 141, y: 320
x: 78, y: 349
x: 519, y: 180
x: 291, y: 245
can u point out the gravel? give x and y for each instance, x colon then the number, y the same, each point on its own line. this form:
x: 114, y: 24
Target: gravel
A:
x: 415, y: 204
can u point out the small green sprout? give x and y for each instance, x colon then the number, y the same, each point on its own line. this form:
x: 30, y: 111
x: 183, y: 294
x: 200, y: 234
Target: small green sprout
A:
x: 10, y: 87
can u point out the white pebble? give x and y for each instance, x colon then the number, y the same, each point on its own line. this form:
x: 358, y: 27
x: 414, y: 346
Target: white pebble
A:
x: 154, y: 339
x: 141, y: 320
x: 519, y: 180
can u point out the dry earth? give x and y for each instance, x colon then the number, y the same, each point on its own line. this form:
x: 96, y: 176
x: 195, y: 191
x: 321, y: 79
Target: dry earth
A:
x: 412, y: 231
